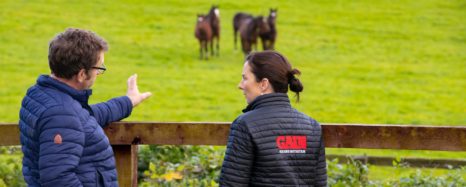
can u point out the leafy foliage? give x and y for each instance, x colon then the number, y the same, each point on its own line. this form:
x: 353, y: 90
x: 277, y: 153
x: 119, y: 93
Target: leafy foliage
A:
x: 354, y: 173
x: 453, y: 178
x: 180, y: 165
x: 10, y: 167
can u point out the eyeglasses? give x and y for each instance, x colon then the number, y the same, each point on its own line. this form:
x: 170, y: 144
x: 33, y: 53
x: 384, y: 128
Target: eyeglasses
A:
x: 100, y: 70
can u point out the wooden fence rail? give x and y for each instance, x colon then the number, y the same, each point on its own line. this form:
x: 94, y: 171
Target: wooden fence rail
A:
x: 125, y: 136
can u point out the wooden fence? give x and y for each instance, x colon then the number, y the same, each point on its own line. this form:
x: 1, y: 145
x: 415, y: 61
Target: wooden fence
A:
x: 125, y: 136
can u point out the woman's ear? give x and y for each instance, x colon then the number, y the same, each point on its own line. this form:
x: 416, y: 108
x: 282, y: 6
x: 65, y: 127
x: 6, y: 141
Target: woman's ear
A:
x: 264, y: 84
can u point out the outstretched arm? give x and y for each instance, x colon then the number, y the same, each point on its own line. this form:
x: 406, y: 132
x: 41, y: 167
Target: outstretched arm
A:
x: 121, y: 107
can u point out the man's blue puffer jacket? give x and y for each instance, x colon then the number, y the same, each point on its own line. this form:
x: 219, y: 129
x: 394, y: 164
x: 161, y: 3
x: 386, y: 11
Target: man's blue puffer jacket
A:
x: 62, y: 137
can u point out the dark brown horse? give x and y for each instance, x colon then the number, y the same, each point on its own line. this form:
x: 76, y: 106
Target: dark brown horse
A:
x: 214, y: 18
x: 203, y: 33
x: 238, y: 20
x: 249, y: 28
x: 268, y: 38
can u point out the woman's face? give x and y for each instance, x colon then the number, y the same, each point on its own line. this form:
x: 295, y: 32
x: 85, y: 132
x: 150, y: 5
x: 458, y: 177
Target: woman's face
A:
x: 249, y: 85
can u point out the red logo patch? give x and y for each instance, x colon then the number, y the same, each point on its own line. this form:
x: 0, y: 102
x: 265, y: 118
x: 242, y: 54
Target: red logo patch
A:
x: 291, y: 144
x: 57, y: 139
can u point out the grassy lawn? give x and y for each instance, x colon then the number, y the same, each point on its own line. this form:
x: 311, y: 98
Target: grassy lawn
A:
x: 384, y: 62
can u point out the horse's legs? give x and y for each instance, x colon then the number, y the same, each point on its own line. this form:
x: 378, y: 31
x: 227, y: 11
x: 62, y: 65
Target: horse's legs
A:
x: 212, y: 46
x: 264, y: 44
x: 205, y: 52
x: 218, y: 45
x: 246, y: 47
x: 200, y: 49
x: 206, y: 49
x: 243, y: 46
x: 234, y: 36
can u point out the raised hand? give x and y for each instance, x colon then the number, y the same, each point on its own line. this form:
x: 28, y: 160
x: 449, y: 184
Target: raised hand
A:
x: 133, y: 92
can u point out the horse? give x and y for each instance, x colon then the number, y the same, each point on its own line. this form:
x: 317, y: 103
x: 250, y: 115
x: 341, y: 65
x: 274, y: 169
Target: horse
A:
x: 239, y: 20
x: 203, y: 33
x: 249, y: 29
x: 214, y: 18
x: 268, y: 38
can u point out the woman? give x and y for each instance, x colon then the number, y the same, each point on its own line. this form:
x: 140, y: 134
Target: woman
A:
x: 272, y: 144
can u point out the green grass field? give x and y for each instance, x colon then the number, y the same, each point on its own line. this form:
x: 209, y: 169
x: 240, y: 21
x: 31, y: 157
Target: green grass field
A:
x: 383, y: 62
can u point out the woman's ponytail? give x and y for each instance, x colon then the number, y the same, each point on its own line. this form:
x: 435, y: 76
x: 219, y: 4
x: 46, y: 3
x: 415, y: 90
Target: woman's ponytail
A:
x: 295, y: 84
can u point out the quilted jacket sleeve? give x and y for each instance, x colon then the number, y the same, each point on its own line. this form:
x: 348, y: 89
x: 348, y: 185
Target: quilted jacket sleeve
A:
x: 113, y: 110
x: 321, y: 168
x: 61, y: 140
x: 239, y: 157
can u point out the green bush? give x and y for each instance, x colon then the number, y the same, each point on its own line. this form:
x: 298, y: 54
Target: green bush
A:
x: 180, y: 165
x: 10, y: 166
x: 8, y: 150
x: 453, y: 178
x: 354, y: 173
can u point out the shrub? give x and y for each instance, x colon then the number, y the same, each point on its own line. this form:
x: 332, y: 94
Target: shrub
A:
x: 10, y: 166
x: 452, y: 179
x: 179, y: 165
x: 354, y: 173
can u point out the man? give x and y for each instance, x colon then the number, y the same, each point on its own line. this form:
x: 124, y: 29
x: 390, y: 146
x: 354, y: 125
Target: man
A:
x: 61, y: 134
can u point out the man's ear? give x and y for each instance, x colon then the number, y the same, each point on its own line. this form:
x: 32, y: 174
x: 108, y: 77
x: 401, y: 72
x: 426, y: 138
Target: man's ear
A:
x: 81, y: 76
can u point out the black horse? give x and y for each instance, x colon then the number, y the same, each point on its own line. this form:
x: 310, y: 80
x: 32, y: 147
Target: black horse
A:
x: 268, y: 38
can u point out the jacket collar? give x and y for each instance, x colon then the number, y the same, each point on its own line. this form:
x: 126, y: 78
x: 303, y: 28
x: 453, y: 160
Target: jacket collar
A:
x: 82, y: 96
x: 269, y: 100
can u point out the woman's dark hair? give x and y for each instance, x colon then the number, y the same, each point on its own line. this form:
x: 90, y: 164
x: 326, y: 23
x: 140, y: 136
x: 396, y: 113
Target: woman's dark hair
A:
x: 73, y: 50
x: 276, y: 68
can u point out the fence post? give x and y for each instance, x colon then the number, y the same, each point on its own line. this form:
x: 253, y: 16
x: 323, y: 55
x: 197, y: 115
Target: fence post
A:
x: 126, y: 158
